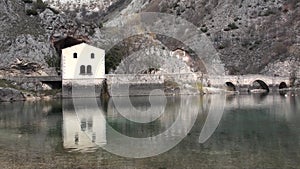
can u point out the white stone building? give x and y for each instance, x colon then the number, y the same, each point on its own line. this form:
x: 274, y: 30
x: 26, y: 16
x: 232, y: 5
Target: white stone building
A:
x: 83, y: 62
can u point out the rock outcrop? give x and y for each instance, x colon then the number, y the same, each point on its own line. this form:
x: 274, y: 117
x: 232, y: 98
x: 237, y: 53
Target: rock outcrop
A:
x: 250, y: 36
x: 21, y: 35
x: 9, y: 94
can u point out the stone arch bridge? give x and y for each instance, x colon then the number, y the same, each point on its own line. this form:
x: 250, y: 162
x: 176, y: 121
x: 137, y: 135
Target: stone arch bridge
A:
x: 242, y: 83
x: 248, y: 82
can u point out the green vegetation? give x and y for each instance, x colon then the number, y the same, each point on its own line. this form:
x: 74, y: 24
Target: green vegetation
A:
x: 39, y: 5
x: 31, y: 12
x: 9, y: 84
x: 221, y: 47
x: 231, y: 26
x: 200, y: 87
x: 100, y: 25
x: 5, y: 83
x: 171, y: 84
x: 267, y: 13
x: 52, y: 92
x: 27, y: 1
x: 91, y: 32
x: 113, y: 58
x: 53, y: 62
x: 204, y: 29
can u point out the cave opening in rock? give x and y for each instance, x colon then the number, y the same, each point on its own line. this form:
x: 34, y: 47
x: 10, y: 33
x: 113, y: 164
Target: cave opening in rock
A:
x: 65, y: 43
x: 59, y: 45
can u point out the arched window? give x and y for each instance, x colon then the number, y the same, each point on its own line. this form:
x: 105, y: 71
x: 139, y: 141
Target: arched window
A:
x: 82, y: 69
x: 89, y: 69
x: 92, y: 55
x: 75, y: 55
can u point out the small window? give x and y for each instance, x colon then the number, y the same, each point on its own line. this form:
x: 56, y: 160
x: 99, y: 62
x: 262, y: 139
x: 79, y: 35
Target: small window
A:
x: 76, y: 138
x: 83, y: 126
x: 94, y: 137
x: 75, y: 55
x: 82, y: 69
x: 89, y: 69
x: 92, y: 55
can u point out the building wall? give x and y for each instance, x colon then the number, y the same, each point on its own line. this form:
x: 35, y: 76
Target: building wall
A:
x: 71, y: 65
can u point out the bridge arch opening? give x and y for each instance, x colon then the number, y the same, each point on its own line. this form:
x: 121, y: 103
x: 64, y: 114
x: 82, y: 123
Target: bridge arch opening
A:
x: 53, y: 84
x: 230, y: 86
x: 283, y: 85
x: 260, y: 86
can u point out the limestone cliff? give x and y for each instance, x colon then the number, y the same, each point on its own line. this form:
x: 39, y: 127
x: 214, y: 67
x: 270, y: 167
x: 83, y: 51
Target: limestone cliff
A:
x: 257, y: 36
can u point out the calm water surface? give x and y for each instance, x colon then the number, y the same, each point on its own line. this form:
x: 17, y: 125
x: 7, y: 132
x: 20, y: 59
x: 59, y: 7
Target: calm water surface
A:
x: 255, y: 131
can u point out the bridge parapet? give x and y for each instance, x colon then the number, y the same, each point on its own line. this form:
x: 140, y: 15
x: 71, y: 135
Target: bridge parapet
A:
x: 151, y: 78
x: 134, y: 79
x: 246, y: 82
x: 33, y: 78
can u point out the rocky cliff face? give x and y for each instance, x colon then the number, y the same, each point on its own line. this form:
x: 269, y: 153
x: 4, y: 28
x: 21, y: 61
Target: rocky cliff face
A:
x: 252, y: 36
x: 257, y: 36
x: 21, y: 35
x: 89, y: 5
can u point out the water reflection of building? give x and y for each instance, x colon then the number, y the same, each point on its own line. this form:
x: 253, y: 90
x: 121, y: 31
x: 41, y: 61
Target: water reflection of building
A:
x: 85, y: 128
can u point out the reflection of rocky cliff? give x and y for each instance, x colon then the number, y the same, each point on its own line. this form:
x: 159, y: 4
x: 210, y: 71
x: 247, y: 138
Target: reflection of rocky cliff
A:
x: 30, y: 126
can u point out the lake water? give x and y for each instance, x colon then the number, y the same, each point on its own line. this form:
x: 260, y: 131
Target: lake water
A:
x: 237, y: 131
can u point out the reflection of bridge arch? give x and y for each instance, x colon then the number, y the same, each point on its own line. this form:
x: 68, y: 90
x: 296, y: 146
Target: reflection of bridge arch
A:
x: 230, y: 86
x: 261, y: 85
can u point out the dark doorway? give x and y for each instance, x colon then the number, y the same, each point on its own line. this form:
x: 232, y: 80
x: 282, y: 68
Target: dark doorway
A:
x: 65, y: 43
